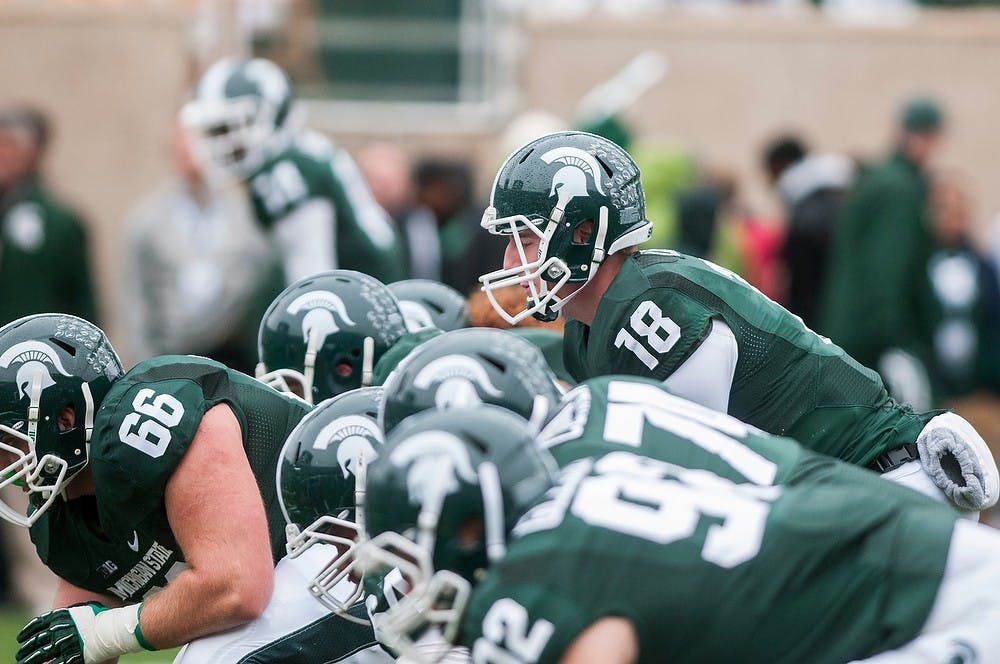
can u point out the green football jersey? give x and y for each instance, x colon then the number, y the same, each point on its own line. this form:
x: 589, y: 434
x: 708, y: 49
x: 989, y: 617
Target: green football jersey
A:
x: 311, y: 168
x: 788, y: 380
x: 119, y: 541
x: 718, y: 542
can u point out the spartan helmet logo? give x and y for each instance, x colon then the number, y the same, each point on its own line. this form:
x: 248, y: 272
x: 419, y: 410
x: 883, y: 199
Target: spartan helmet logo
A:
x: 354, y: 436
x: 33, y: 357
x: 459, y: 379
x: 570, y: 181
x: 415, y: 315
x: 320, y: 307
x: 437, y: 461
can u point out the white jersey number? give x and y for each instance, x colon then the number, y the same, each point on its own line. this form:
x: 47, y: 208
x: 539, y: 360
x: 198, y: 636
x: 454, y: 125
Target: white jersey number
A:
x: 664, y: 503
x: 148, y: 428
x: 506, y: 638
x: 659, y: 332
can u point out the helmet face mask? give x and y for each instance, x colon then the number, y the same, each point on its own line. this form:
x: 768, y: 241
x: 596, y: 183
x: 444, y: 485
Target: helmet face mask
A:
x: 434, y: 601
x: 241, y: 115
x: 232, y: 137
x: 320, y: 480
x: 552, y: 186
x: 441, y: 500
x: 544, y: 276
x: 50, y: 364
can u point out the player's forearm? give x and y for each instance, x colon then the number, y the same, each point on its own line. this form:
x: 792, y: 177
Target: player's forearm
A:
x: 198, y: 604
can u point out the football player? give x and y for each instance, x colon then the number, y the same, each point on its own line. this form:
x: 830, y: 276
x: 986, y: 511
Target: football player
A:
x: 698, y: 537
x: 151, y: 495
x: 316, y: 481
x: 573, y: 208
x: 324, y: 334
x: 246, y: 126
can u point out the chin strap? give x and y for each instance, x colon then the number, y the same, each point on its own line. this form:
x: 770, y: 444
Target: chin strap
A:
x: 489, y: 482
x: 88, y: 415
x: 367, y: 362
x: 309, y: 364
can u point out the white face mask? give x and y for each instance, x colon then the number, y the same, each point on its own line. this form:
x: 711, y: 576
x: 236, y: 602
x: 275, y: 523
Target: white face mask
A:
x: 543, y: 296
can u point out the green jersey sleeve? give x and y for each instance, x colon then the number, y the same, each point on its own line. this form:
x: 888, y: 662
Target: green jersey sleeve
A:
x: 141, y: 434
x: 312, y: 169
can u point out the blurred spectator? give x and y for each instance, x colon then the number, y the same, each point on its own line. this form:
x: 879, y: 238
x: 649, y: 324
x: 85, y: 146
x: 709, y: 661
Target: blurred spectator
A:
x: 198, y: 272
x: 878, y: 304
x: 44, y: 264
x: 444, y: 186
x: 811, y: 188
x: 966, y: 352
x: 389, y: 173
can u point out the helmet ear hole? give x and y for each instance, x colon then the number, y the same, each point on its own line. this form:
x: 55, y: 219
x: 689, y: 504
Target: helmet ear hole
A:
x: 583, y: 231
x: 344, y: 369
x: 65, y: 346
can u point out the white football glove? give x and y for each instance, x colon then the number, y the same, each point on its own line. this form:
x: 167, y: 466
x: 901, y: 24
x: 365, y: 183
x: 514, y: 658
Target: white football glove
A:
x: 959, y: 462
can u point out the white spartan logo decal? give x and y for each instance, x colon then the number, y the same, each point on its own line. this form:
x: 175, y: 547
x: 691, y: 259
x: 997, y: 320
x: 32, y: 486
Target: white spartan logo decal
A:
x: 458, y: 378
x: 33, y: 356
x: 570, y: 181
x: 353, y: 436
x: 320, y: 307
x: 415, y: 315
x: 438, y: 460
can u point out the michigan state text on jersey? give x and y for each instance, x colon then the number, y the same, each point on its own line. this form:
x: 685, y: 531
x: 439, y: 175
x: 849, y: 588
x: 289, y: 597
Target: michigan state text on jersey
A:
x: 119, y: 541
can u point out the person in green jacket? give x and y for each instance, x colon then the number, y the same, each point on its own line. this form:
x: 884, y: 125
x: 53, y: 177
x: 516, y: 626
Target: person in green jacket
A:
x: 878, y: 305
x: 44, y: 263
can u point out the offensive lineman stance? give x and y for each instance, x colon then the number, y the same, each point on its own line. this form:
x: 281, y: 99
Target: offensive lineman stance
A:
x: 151, y: 495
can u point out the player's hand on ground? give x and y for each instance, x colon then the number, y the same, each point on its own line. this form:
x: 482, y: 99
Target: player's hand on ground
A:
x: 58, y: 636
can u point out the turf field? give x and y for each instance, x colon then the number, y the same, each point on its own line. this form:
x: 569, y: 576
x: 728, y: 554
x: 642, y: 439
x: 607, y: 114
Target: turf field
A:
x: 11, y: 623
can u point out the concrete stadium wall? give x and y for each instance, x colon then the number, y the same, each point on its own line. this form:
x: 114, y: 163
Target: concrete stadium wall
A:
x: 113, y: 74
x: 735, y: 80
x: 111, y: 78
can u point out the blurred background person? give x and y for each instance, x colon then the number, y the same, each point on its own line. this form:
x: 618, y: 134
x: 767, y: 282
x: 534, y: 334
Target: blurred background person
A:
x: 445, y: 187
x: 811, y: 188
x: 389, y: 172
x: 44, y: 261
x: 198, y: 272
x: 966, y: 348
x: 878, y: 304
x: 44, y: 266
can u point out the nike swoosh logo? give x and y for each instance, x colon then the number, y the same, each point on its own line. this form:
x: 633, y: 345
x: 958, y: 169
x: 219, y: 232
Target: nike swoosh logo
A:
x: 134, y: 544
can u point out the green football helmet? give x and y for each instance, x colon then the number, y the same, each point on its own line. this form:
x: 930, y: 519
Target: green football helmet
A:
x: 320, y: 480
x: 243, y: 112
x: 549, y: 187
x: 49, y: 362
x: 325, y: 333
x: 441, y: 500
x: 466, y: 367
x: 427, y: 303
